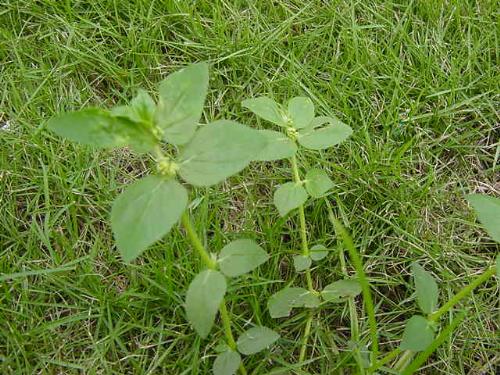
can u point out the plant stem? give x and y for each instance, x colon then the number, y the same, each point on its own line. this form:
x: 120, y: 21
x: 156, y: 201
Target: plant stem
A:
x: 305, y: 252
x: 226, y: 322
x: 196, y: 242
x: 302, y: 222
x: 363, y: 280
x: 307, y: 332
x: 211, y: 264
x: 352, y: 315
x: 404, y: 360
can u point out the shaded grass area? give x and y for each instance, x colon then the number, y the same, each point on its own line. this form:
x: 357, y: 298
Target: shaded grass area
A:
x: 418, y: 83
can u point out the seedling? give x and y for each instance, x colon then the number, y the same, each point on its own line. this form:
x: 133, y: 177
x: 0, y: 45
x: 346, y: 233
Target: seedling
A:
x: 148, y: 209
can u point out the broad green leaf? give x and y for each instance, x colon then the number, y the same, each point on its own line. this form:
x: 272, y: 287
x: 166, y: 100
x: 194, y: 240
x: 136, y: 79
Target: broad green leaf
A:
x: 145, y: 212
x: 317, y: 182
x: 488, y: 211
x: 140, y: 110
x: 256, y: 339
x: 180, y: 105
x: 267, y: 109
x: 318, y: 138
x: 289, y: 196
x: 318, y: 252
x: 418, y: 334
x: 301, y: 263
x: 91, y: 126
x: 203, y: 298
x: 227, y: 363
x: 240, y: 257
x: 341, y: 289
x: 217, y: 151
x: 301, y: 112
x: 426, y: 287
x: 281, y: 303
x: 278, y: 146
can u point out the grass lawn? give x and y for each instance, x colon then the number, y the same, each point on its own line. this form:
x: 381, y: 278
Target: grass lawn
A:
x: 416, y: 80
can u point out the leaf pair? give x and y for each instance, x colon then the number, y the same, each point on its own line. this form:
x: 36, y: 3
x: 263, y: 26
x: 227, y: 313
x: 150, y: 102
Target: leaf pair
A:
x: 142, y: 123
x: 206, y: 294
x: 419, y: 332
x: 217, y: 150
x: 207, y: 290
x: 315, y: 133
x: 140, y: 110
x: 250, y: 342
x: 304, y: 262
x: 291, y: 195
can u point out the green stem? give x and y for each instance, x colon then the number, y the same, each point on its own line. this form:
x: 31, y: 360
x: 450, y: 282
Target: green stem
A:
x: 302, y: 222
x: 355, y: 335
x: 404, y: 360
x: 196, y: 242
x: 363, y: 280
x: 295, y: 169
x: 226, y: 323
x: 307, y: 332
x: 305, y: 252
x: 211, y: 264
x: 352, y: 315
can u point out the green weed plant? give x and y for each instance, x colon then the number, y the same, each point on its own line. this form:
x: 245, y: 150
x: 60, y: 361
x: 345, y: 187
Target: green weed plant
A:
x: 189, y: 154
